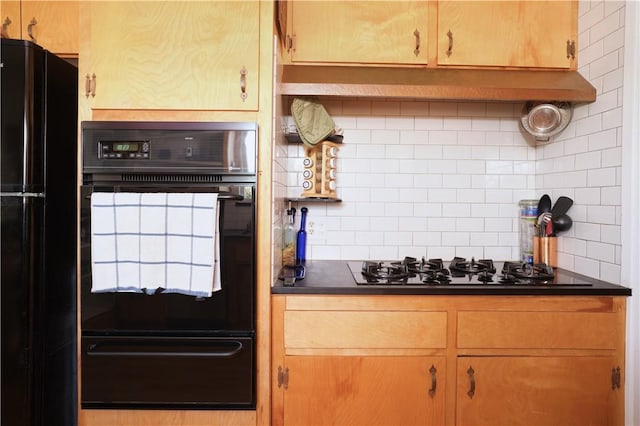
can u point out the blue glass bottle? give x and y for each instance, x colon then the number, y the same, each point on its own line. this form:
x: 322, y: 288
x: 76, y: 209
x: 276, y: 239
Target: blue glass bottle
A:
x: 301, y: 244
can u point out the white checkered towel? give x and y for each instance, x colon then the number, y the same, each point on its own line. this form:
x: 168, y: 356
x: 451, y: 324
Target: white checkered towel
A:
x: 142, y: 242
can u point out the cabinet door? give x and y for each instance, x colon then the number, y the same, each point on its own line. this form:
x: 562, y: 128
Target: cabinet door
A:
x: 175, y: 55
x: 380, y: 32
x: 364, y: 390
x: 535, y: 391
x: 506, y: 33
x: 52, y: 24
x: 10, y: 19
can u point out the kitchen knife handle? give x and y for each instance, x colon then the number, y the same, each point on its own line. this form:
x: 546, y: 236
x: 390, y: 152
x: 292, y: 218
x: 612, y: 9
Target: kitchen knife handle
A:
x: 416, y: 33
x: 472, y: 382
x: 450, y: 49
x: 434, y: 381
x: 30, y: 29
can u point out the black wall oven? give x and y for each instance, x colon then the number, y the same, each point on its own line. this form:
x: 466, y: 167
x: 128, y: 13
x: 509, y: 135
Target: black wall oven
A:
x: 154, y: 348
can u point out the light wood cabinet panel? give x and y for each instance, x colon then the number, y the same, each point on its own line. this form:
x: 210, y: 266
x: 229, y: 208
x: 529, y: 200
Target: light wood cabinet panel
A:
x: 366, y: 329
x: 186, y: 55
x: 10, y: 19
x: 535, y: 391
x: 380, y: 32
x: 541, y: 330
x: 50, y: 24
x: 373, y: 390
x: 56, y: 25
x: 506, y: 33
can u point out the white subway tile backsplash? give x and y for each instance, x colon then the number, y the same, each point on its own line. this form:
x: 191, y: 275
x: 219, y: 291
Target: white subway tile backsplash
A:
x: 456, y: 123
x: 443, y: 109
x: 601, y: 251
x: 601, y: 214
x: 601, y: 177
x: 605, y: 27
x: 429, y: 123
x: 611, y: 196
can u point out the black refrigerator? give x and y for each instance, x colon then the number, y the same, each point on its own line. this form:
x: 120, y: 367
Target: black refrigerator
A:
x: 38, y: 199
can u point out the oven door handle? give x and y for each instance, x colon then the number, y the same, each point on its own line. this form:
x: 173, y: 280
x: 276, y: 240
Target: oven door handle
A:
x: 229, y: 196
x: 224, y: 196
x: 94, y: 350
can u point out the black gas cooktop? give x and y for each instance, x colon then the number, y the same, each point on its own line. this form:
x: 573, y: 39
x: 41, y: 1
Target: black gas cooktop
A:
x: 457, y: 271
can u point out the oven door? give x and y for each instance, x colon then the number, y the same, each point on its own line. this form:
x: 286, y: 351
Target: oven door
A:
x: 228, y: 312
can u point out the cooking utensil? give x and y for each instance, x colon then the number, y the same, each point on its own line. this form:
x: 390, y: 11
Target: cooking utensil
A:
x: 544, y: 205
x: 543, y: 220
x: 562, y: 206
x: 562, y: 223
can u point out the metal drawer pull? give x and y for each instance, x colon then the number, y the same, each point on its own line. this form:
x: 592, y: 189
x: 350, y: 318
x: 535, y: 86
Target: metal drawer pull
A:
x: 434, y: 381
x: 450, y: 49
x: 416, y: 33
x: 90, y: 86
x: 30, y: 29
x: 571, y: 49
x: 472, y: 382
x: 93, y: 350
x: 243, y: 84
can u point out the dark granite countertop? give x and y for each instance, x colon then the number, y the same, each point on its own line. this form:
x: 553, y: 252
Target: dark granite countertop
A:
x: 334, y: 277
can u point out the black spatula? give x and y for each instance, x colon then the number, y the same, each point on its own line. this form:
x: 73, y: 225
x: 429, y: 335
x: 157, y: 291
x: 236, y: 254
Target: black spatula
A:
x: 562, y: 206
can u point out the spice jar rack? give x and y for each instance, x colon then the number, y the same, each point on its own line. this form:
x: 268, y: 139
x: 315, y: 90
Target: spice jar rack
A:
x: 320, y: 171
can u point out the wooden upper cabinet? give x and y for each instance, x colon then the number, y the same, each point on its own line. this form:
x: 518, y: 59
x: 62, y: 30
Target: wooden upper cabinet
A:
x: 524, y: 33
x: 371, y: 32
x: 166, y: 55
x: 10, y: 19
x: 50, y: 24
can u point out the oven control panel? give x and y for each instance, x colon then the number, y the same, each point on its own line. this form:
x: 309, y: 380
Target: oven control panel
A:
x: 123, y: 149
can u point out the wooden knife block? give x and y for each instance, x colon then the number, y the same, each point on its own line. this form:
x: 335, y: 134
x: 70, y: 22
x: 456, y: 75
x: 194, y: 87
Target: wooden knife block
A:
x: 320, y: 170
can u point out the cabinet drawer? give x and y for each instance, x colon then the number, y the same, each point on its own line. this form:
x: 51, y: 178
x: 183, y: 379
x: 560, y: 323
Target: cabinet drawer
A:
x: 552, y: 330
x: 365, y: 329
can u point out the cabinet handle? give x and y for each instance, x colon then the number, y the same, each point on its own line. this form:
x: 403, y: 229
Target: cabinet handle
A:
x: 416, y: 33
x: 615, y: 378
x: 283, y: 377
x: 472, y: 382
x: 5, y: 27
x: 90, y: 86
x: 30, y: 29
x: 243, y: 84
x: 434, y: 381
x: 571, y: 49
x: 450, y: 49
x: 289, y: 43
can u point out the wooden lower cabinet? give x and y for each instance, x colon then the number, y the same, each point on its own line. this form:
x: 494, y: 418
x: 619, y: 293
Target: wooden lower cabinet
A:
x: 497, y: 360
x: 364, y: 390
x: 527, y: 390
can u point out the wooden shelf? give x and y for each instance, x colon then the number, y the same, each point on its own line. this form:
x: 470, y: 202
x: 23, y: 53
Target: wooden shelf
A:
x: 441, y: 84
x: 313, y: 200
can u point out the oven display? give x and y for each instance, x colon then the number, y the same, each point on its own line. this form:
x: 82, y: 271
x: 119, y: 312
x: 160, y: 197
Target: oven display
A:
x: 124, y: 149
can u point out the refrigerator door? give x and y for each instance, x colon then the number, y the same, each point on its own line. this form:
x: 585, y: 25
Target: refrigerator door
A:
x: 21, y: 254
x: 21, y: 141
